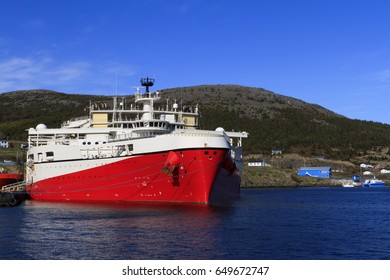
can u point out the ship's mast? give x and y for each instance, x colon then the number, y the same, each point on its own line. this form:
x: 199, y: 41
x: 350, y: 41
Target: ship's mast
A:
x: 147, y: 99
x: 147, y: 82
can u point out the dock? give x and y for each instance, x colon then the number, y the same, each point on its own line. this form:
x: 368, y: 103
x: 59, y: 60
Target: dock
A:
x: 13, y: 194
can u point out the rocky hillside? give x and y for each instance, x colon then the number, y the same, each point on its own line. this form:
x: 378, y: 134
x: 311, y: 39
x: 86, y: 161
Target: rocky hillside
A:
x: 272, y: 120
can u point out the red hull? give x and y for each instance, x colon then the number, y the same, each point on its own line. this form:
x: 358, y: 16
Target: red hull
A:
x: 6, y: 179
x: 139, y: 178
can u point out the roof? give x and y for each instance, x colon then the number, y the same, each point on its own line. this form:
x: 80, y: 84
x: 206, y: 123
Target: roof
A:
x: 322, y: 168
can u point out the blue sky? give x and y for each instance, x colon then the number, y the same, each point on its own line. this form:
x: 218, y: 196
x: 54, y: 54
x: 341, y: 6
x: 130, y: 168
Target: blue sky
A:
x: 335, y: 53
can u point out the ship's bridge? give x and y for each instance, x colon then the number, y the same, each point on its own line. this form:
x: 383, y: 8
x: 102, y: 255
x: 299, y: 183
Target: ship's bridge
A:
x: 140, y: 97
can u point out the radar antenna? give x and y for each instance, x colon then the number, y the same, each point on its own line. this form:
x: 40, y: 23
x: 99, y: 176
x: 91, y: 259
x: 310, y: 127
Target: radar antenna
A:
x: 147, y: 82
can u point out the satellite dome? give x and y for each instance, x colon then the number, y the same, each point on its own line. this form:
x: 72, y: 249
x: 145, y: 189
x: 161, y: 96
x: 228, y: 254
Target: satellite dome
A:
x: 219, y: 129
x: 40, y: 126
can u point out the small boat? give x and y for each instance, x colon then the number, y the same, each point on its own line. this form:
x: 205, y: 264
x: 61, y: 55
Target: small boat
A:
x: 350, y: 185
x: 9, y: 178
x: 373, y: 183
x: 354, y: 182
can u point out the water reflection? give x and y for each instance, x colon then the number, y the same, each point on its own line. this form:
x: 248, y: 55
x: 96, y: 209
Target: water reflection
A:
x: 307, y: 223
x: 118, y: 231
x: 10, y: 231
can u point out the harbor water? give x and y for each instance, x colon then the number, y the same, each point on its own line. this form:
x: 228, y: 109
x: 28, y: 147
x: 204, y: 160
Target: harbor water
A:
x: 273, y: 224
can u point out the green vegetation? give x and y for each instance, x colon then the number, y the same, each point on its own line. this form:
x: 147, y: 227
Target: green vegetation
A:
x: 277, y: 121
x: 272, y: 120
x: 21, y: 110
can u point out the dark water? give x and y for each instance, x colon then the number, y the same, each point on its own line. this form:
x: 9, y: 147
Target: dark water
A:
x: 301, y: 223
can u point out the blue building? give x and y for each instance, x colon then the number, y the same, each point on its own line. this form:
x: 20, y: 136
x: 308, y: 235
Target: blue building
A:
x: 316, y: 172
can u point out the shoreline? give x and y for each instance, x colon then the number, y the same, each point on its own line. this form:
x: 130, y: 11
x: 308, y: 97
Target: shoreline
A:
x: 281, y: 178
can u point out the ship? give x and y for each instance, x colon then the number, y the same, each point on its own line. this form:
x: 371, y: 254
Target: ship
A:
x: 140, y: 151
x: 9, y: 178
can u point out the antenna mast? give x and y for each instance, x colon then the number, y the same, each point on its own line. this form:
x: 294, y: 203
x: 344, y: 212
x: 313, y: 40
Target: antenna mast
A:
x: 147, y: 82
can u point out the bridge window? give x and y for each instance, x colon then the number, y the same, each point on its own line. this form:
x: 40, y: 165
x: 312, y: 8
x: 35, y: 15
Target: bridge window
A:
x: 49, y: 156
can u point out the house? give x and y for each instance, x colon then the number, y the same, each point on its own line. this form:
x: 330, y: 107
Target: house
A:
x: 24, y: 146
x: 256, y: 163
x: 3, y: 143
x: 276, y: 152
x: 363, y: 165
x: 317, y: 172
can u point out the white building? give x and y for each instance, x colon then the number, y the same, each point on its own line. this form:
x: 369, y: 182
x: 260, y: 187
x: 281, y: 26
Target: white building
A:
x: 363, y: 165
x: 3, y: 143
x: 256, y: 163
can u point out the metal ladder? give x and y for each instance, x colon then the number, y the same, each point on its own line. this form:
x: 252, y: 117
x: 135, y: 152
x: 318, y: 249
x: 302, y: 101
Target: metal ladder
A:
x: 18, y: 186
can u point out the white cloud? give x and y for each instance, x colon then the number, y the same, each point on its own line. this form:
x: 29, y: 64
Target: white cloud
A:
x: 68, y: 72
x: 72, y: 76
x: 20, y: 69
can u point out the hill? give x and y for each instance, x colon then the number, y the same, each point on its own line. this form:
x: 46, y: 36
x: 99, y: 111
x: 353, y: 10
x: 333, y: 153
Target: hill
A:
x: 272, y: 120
x: 20, y: 110
x: 277, y: 121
